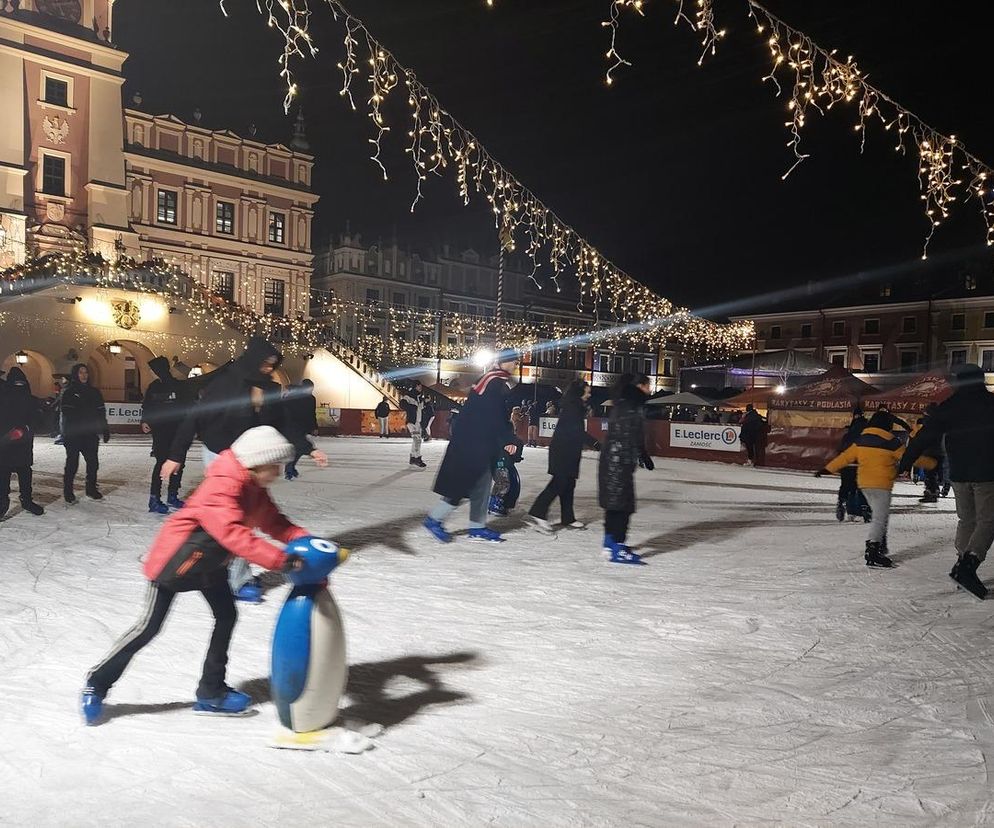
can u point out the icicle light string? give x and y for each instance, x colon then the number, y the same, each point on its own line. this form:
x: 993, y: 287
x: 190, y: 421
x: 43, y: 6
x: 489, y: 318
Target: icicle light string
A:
x: 436, y: 141
x: 818, y: 80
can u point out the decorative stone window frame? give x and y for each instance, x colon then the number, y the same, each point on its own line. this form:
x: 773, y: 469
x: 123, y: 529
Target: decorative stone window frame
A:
x: 70, y: 83
x: 155, y: 205
x: 286, y: 227
x: 831, y: 353
x: 865, y: 352
x: 39, y: 175
x: 234, y: 218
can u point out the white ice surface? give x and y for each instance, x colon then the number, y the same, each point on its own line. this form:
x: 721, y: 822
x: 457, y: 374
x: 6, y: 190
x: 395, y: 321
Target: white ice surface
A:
x: 755, y: 671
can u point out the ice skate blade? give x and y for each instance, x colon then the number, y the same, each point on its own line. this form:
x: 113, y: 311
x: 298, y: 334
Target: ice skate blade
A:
x: 962, y: 588
x: 222, y: 714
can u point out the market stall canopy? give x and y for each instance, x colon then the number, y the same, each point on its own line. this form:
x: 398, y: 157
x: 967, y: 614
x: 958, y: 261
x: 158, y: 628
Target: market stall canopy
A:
x: 685, y: 398
x: 835, y: 390
x: 759, y: 397
x: 912, y: 398
x: 783, y: 364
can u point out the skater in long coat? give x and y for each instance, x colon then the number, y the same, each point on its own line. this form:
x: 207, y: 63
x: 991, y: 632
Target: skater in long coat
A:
x: 166, y: 402
x: 565, y: 452
x: 20, y: 415
x: 624, y: 448
x: 484, y: 431
x: 84, y: 422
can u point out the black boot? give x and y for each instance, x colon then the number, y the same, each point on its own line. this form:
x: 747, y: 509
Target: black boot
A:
x: 30, y: 506
x: 929, y: 497
x: 964, y: 572
x: 875, y: 555
x: 93, y: 492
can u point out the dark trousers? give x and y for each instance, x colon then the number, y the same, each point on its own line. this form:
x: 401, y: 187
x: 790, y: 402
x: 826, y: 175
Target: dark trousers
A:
x: 175, y: 480
x: 561, y: 487
x: 847, y: 484
x: 88, y: 446
x: 157, y: 602
x: 616, y: 524
x: 23, y: 482
x: 932, y: 481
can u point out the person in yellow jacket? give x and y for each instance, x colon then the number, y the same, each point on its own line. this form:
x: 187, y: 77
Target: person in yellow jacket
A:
x: 876, y: 452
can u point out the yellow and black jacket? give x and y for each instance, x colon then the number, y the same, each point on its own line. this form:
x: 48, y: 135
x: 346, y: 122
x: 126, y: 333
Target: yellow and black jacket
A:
x: 876, y: 452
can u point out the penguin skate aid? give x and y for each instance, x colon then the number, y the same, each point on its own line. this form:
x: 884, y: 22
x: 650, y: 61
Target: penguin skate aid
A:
x: 191, y: 553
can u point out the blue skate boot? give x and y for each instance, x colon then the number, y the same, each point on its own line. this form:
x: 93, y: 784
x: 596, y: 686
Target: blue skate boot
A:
x: 437, y: 530
x: 92, y: 705
x: 483, y: 534
x: 621, y: 554
x: 156, y: 506
x: 174, y: 502
x: 232, y: 703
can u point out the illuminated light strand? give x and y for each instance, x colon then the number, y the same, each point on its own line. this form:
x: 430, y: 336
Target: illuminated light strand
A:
x: 612, y: 24
x: 437, y: 140
x: 819, y: 80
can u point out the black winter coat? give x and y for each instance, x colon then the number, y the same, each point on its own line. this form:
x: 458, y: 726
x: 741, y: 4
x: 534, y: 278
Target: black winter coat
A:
x: 622, y: 449
x: 753, y: 427
x: 966, y: 420
x: 484, y: 429
x: 226, y: 411
x: 166, y: 402
x: 568, y: 440
x: 83, y: 412
x: 20, y: 415
x: 302, y: 409
x: 382, y: 410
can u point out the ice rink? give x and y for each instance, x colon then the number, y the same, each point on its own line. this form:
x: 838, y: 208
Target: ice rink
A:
x: 755, y: 671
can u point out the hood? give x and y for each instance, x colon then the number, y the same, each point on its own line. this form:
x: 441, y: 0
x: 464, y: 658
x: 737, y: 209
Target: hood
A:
x: 74, y: 374
x: 16, y: 379
x: 633, y: 394
x: 160, y: 367
x: 257, y: 351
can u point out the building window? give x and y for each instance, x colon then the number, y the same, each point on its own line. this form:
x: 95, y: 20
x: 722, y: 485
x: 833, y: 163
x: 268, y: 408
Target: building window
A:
x: 225, y: 218
x: 871, y: 362
x: 667, y: 367
x: 970, y: 281
x: 871, y: 326
x: 837, y: 358
x: 987, y: 360
x: 274, y: 297
x: 885, y: 290
x: 424, y: 302
x: 838, y: 329
x: 401, y: 269
x: 400, y: 300
x: 387, y: 267
x: 648, y: 367
x: 372, y: 296
x: 165, y: 212
x: 56, y: 91
x: 775, y: 332
x: 957, y: 357
x: 806, y: 330
x: 989, y: 319
x: 223, y: 284
x: 909, y: 361
x: 958, y: 322
x: 53, y: 175
x: 277, y: 228
x: 452, y: 341
x: 909, y: 324
x: 605, y: 364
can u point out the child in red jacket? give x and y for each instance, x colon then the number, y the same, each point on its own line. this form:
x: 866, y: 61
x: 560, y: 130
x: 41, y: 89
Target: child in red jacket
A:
x: 191, y: 553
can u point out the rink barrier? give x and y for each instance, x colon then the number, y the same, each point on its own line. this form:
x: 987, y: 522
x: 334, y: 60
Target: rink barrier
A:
x: 803, y: 449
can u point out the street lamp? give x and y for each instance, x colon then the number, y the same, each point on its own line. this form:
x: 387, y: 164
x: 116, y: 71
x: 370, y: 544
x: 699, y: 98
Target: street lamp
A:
x: 781, y: 389
x: 484, y: 357
x: 21, y: 358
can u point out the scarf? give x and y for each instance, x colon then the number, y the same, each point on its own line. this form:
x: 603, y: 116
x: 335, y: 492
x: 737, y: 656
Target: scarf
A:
x: 485, y: 380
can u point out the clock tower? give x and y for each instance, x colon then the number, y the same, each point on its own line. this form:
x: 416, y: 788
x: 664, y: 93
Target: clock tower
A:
x: 62, y: 168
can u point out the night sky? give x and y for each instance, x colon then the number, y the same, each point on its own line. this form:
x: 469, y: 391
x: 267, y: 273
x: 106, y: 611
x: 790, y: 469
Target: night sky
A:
x: 673, y: 172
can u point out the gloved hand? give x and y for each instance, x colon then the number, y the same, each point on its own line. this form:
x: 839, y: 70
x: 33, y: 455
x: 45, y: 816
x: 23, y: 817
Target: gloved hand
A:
x: 647, y: 462
x: 821, y: 472
x: 293, y: 562
x: 107, y: 435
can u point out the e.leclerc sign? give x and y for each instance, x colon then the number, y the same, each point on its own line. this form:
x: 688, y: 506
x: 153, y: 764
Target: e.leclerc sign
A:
x: 706, y: 437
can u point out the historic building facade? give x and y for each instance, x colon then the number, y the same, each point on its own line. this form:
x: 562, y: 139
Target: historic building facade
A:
x: 459, y: 288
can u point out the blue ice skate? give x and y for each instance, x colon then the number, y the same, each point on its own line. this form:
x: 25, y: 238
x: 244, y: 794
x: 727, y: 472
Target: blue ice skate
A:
x: 156, y: 506
x: 620, y: 554
x: 250, y: 593
x: 482, y: 534
x: 437, y: 530
x: 92, y: 705
x: 232, y: 703
x: 174, y: 502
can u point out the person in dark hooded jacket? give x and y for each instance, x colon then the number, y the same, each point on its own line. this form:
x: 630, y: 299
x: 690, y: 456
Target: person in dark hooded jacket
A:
x: 242, y: 396
x: 84, y: 421
x: 623, y: 452
x: 164, y: 406
x: 20, y: 414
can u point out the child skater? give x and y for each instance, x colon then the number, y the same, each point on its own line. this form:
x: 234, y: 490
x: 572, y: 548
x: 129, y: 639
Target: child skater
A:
x: 191, y: 553
x: 507, y: 482
x: 877, y: 452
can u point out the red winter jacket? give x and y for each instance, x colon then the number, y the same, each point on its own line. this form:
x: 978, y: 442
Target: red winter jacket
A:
x: 194, y: 546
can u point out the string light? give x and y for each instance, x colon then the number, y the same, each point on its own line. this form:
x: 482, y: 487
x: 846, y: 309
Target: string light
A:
x: 818, y: 80
x: 437, y: 141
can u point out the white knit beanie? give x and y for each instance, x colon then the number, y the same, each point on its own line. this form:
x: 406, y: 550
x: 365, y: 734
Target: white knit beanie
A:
x: 262, y: 446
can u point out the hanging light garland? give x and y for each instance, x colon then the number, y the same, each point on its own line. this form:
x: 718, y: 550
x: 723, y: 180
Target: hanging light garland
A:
x: 817, y: 79
x: 437, y: 141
